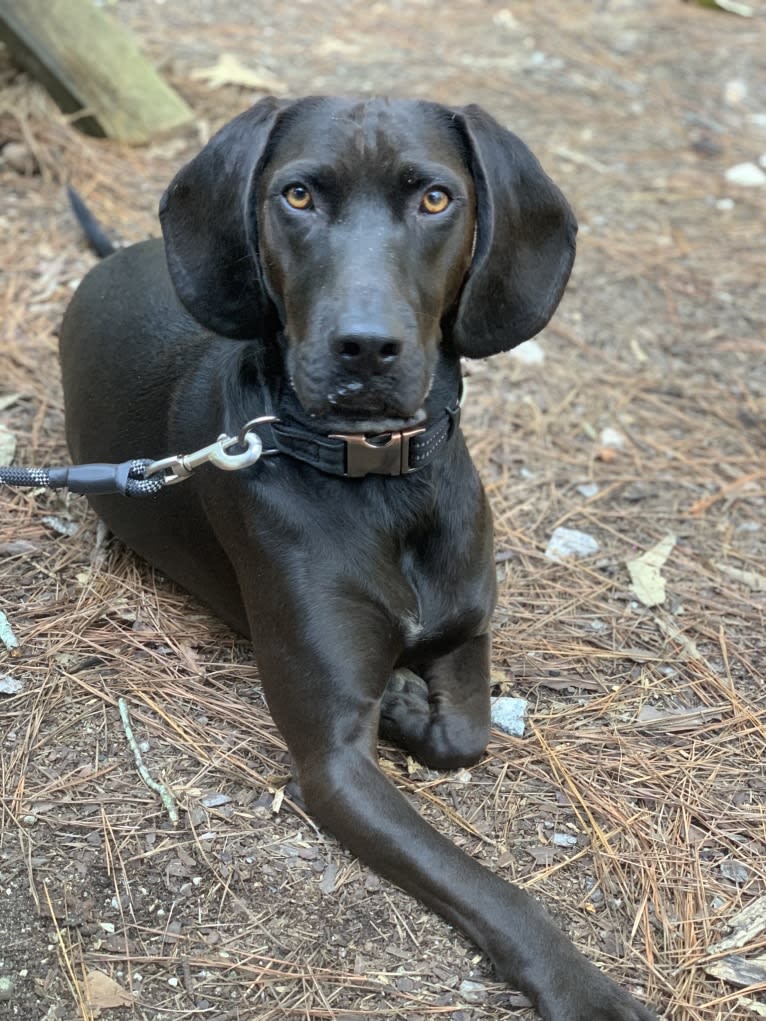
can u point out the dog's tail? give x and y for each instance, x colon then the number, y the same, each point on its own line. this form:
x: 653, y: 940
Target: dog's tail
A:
x: 95, y: 234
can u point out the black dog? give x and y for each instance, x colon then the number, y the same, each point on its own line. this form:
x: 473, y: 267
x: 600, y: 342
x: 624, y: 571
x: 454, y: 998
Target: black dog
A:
x: 354, y: 251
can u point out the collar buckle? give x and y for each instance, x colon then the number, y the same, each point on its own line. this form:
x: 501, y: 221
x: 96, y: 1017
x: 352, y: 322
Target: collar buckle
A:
x: 384, y: 454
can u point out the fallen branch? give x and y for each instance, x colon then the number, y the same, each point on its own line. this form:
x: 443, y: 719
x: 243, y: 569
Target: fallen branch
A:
x: 159, y: 788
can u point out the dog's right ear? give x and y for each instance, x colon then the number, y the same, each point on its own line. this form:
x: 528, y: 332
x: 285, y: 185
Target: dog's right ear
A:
x: 209, y: 227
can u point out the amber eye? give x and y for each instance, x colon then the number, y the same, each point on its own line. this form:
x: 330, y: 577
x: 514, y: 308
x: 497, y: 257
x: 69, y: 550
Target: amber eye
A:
x: 435, y: 200
x: 298, y: 196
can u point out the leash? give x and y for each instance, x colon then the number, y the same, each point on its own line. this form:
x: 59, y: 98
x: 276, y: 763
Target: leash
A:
x: 396, y: 453
x: 141, y: 476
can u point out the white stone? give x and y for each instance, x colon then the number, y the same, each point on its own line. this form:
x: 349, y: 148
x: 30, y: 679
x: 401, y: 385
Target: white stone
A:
x: 746, y: 175
x: 508, y: 714
x: 612, y: 438
x: 529, y: 353
x: 568, y: 542
x: 472, y: 992
x: 588, y: 489
x: 735, y: 91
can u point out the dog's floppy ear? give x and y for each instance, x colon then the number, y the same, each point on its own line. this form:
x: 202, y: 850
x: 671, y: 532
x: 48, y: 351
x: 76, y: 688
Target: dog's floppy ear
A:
x: 209, y: 227
x: 525, y: 242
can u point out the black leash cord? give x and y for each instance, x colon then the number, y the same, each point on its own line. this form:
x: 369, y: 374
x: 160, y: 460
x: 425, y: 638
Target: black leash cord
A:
x: 126, y: 479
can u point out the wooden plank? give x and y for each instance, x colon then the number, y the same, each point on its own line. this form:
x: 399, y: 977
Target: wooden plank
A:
x: 89, y: 62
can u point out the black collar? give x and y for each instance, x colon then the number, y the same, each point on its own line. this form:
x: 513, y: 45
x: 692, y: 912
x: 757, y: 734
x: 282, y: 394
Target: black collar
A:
x: 353, y: 456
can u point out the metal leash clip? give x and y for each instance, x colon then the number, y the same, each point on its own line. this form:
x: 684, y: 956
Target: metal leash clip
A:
x: 179, y: 467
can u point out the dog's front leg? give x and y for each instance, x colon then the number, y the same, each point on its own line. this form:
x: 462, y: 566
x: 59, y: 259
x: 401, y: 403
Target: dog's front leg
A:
x: 324, y: 690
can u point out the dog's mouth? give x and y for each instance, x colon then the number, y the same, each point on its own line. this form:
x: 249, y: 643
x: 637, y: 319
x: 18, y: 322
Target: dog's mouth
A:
x: 352, y: 409
x: 368, y: 423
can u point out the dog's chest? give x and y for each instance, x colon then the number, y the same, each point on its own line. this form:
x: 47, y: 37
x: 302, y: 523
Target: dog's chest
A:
x: 453, y: 592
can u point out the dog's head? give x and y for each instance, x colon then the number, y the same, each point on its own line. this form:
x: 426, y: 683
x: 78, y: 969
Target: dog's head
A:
x: 372, y: 232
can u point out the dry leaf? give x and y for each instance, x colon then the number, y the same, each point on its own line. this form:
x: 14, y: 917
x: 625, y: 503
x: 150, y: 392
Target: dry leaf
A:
x: 102, y: 992
x: 7, y: 446
x: 648, y: 583
x: 730, y: 6
x: 228, y: 70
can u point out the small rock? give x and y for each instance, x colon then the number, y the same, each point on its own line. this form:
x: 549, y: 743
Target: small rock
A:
x: 6, y: 987
x: 735, y: 91
x: 749, y: 526
x: 735, y: 871
x: 508, y: 714
x: 19, y: 157
x: 704, y: 145
x: 472, y: 992
x: 568, y: 542
x: 10, y: 685
x: 588, y: 489
x: 327, y: 884
x: 746, y: 175
x: 612, y: 438
x: 529, y: 353
x: 564, y: 839
x: 215, y: 800
x: 725, y: 205
x: 504, y: 19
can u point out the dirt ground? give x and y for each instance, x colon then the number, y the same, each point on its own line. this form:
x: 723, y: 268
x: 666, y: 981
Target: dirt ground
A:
x: 635, y: 804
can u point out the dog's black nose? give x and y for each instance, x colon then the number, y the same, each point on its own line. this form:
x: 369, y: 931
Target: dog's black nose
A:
x: 367, y: 354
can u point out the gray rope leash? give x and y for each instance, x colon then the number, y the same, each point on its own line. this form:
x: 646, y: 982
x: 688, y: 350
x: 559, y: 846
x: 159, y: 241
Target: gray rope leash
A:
x: 127, y: 479
x: 141, y: 476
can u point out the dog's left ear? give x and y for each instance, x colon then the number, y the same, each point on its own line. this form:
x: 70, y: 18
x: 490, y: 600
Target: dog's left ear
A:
x: 525, y: 242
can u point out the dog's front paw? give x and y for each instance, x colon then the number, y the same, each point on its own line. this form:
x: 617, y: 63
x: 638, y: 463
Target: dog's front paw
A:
x: 591, y: 996
x: 405, y: 711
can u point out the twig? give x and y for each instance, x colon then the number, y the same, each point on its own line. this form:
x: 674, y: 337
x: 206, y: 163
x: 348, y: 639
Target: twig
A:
x: 159, y: 788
